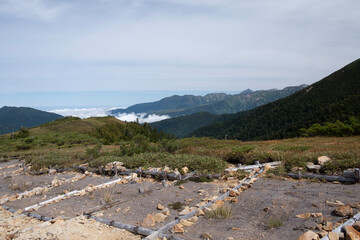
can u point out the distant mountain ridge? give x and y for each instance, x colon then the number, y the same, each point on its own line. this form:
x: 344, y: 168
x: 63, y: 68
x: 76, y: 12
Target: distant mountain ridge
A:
x: 216, y: 103
x: 336, y: 97
x: 13, y: 118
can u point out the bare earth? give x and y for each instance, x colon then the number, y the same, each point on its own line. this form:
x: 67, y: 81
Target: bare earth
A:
x: 266, y: 200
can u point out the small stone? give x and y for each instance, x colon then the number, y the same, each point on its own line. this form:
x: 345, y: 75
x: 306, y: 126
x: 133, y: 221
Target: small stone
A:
x: 267, y: 167
x: 160, y: 217
x: 186, y: 223
x: 233, y: 193
x: 206, y: 236
x: 343, y: 211
x: 193, y: 219
x: 316, y: 215
x: 333, y: 236
x: 356, y: 225
x: 304, y: 215
x: 328, y: 226
x: 160, y: 207
x: 177, y: 229
x: 355, y: 205
x: 52, y: 171
x: 181, y: 186
x: 230, y: 238
x: 266, y: 209
x: 323, y: 159
x: 148, y: 221
x: 199, y: 212
x: 166, y: 211
x: 185, y: 211
x: 185, y: 170
x: 309, y: 235
x: 126, y: 209
x: 334, y: 204
x: 118, y: 210
x: 351, y: 233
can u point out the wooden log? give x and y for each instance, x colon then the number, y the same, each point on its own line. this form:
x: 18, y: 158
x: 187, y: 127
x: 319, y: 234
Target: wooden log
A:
x: 251, y: 167
x: 168, y: 226
x: 324, y: 177
x: 357, y: 175
x: 351, y: 221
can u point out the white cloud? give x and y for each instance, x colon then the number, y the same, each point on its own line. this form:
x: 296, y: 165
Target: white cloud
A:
x: 141, y: 117
x: 82, y: 112
x: 101, y: 112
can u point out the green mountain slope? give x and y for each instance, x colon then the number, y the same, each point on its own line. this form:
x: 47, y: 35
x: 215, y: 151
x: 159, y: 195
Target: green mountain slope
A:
x: 13, y: 118
x: 216, y: 103
x: 172, y: 104
x: 335, y: 97
x: 183, y: 125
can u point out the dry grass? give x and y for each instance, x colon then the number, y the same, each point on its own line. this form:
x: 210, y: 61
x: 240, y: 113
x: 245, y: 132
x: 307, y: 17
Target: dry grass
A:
x: 222, y: 212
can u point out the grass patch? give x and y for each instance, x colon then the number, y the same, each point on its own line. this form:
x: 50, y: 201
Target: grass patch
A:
x: 220, y: 213
x: 274, y: 222
x: 176, y: 205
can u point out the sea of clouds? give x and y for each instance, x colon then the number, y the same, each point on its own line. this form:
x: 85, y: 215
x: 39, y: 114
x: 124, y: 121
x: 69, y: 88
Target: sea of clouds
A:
x: 101, y: 112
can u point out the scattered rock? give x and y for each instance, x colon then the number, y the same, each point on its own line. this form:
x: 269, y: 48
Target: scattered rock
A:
x: 185, y: 170
x: 233, y: 193
x: 177, y: 229
x: 323, y: 159
x: 266, y: 209
x: 304, y: 215
x: 316, y: 215
x: 160, y: 217
x: 219, y: 203
x: 181, y: 186
x: 313, y: 168
x: 148, y: 221
x: 267, y: 167
x: 185, y: 211
x: 118, y: 210
x: 309, y: 235
x: 199, y: 212
x: 333, y: 236
x: 230, y: 238
x: 355, y: 205
x: 52, y: 171
x: 193, y: 219
x: 206, y: 236
x: 160, y: 207
x: 356, y: 225
x: 334, y: 204
x: 186, y: 223
x: 351, y: 233
x: 166, y: 211
x: 343, y: 211
x: 328, y: 226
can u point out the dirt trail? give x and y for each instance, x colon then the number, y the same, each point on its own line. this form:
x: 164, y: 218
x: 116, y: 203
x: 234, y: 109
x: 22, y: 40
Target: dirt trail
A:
x: 13, y: 226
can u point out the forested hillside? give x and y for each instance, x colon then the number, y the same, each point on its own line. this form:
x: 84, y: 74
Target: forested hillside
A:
x: 13, y: 118
x: 216, y: 103
x: 335, y: 97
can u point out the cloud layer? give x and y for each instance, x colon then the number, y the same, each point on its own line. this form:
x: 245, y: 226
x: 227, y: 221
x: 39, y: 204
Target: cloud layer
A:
x: 211, y: 45
x: 101, y: 112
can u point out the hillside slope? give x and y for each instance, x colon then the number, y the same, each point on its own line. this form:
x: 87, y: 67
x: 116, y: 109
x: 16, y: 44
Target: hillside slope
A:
x: 183, y: 125
x: 335, y: 97
x: 13, y: 118
x: 216, y: 103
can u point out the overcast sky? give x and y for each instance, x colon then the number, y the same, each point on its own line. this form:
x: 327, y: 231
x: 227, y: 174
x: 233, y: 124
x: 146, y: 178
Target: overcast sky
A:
x: 171, y: 45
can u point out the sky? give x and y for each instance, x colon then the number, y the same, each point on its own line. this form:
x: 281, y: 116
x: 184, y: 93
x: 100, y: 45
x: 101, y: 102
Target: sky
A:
x: 116, y: 53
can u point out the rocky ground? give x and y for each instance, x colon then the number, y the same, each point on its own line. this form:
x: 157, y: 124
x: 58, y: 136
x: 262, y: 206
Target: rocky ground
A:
x: 267, y: 209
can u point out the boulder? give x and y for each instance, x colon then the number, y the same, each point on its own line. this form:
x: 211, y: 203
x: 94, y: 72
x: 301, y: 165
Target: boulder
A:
x: 149, y: 221
x: 343, y: 211
x: 351, y: 233
x: 309, y: 235
x: 323, y: 159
